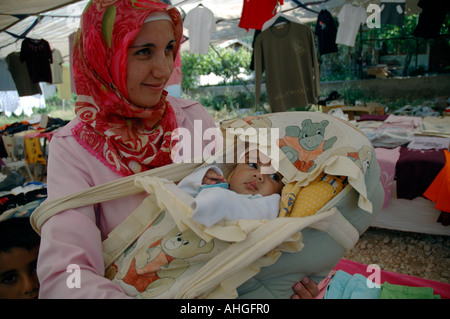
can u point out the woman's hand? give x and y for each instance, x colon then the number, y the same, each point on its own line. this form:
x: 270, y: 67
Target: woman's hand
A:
x: 305, y: 289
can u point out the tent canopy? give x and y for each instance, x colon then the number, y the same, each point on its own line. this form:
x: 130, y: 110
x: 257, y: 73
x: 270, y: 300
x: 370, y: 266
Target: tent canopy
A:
x: 55, y: 20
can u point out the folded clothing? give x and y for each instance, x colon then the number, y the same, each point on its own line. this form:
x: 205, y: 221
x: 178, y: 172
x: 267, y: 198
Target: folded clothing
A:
x: 416, y: 170
x: 389, y: 291
x: 345, y: 286
x: 11, y: 181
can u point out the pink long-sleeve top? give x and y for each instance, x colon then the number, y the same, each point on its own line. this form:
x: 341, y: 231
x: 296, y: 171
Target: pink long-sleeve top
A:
x: 74, y: 237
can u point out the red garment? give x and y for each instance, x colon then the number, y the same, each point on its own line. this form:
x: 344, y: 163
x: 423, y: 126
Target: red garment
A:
x: 126, y: 138
x: 439, y: 190
x: 256, y: 12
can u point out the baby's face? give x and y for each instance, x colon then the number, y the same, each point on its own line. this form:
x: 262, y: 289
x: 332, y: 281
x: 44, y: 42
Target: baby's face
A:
x: 248, y: 179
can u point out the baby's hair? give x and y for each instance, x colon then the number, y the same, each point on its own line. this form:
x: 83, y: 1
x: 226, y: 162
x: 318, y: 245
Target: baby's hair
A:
x: 17, y: 232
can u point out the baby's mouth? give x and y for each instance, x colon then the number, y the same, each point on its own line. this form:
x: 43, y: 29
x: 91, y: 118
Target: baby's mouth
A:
x: 251, y: 186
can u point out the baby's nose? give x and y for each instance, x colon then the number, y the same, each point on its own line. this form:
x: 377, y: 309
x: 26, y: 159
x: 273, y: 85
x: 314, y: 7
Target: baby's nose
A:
x: 259, y: 176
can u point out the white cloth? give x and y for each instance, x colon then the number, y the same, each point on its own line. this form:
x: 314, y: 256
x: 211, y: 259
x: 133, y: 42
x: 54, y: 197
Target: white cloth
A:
x: 350, y: 18
x: 9, y: 101
x: 200, y: 23
x: 215, y: 204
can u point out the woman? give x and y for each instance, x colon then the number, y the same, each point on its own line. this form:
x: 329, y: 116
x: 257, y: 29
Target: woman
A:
x: 123, y: 57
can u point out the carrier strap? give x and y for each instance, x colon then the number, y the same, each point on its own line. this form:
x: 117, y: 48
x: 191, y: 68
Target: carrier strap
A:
x: 108, y: 191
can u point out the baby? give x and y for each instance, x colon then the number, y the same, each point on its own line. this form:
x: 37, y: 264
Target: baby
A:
x: 250, y: 193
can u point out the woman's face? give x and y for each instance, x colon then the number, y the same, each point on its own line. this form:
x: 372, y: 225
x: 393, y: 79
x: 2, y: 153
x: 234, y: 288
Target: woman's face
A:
x: 150, y: 63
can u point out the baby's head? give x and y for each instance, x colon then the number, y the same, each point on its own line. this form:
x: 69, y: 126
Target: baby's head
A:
x: 255, y: 176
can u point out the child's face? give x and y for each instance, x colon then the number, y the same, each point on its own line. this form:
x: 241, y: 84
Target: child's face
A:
x: 248, y: 179
x: 18, y: 279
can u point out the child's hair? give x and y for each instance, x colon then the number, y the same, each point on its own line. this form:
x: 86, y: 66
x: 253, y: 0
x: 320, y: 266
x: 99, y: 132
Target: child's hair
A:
x: 17, y: 232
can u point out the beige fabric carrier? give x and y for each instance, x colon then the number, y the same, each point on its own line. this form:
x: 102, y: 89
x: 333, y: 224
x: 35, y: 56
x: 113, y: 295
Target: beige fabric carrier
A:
x: 159, y: 251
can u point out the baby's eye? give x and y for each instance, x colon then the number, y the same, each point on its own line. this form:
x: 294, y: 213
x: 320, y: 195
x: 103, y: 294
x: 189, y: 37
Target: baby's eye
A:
x: 254, y: 165
x: 275, y: 177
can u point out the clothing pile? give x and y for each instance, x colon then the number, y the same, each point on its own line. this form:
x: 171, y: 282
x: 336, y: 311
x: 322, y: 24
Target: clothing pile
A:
x: 342, y: 285
x: 21, y: 140
x: 20, y: 198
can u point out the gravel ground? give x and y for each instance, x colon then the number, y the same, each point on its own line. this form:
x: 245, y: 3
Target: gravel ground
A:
x: 414, y: 254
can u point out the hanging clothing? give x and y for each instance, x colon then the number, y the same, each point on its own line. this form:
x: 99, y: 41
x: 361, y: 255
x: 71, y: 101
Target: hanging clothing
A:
x: 287, y: 55
x: 6, y: 80
x: 64, y: 88
x: 200, y: 23
x: 431, y: 18
x: 252, y: 62
x: 19, y: 73
x: 9, y: 101
x: 71, y: 43
x: 392, y: 12
x: 326, y: 32
x: 47, y: 89
x: 350, y: 18
x: 38, y: 57
x: 56, y: 66
x: 256, y: 12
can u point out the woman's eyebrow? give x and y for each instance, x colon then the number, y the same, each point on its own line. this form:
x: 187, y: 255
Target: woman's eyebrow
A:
x: 147, y: 45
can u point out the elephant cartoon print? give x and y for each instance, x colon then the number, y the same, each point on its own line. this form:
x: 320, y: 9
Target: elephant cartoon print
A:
x: 303, y: 145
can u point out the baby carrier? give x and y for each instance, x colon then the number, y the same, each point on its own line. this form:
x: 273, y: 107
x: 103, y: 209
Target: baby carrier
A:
x: 159, y: 251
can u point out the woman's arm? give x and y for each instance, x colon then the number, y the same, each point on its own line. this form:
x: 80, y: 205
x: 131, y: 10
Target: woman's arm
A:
x: 70, y: 262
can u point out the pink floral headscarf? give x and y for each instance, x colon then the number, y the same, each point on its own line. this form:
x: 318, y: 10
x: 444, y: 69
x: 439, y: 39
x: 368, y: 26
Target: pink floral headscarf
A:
x: 126, y: 138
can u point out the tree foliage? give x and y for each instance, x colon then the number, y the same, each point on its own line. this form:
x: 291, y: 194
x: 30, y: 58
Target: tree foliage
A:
x: 222, y: 62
